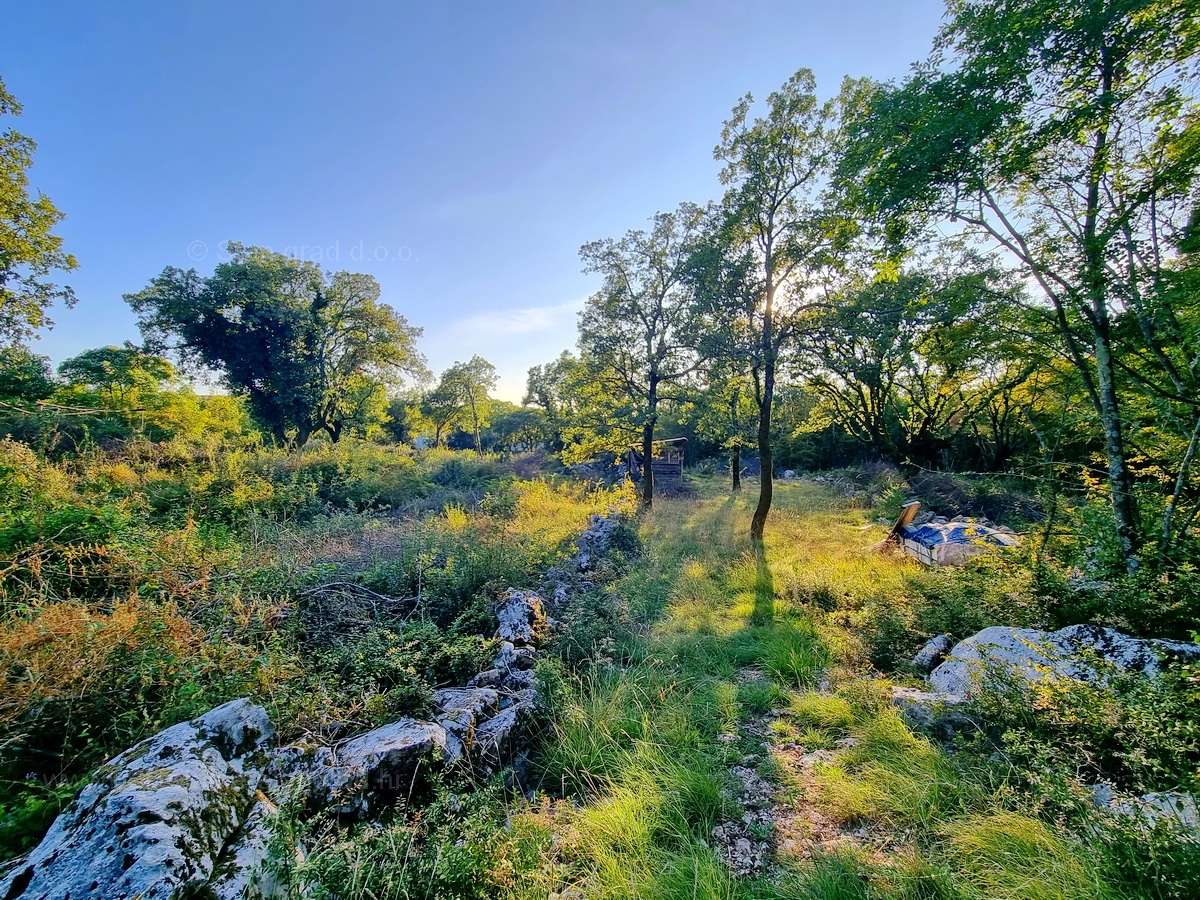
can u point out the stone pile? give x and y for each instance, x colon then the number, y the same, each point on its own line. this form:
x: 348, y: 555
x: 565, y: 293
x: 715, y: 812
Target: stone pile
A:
x: 188, y: 812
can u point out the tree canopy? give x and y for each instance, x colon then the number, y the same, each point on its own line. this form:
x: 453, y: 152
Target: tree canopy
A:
x: 311, y: 351
x: 29, y: 250
x: 1067, y: 135
x: 635, y: 332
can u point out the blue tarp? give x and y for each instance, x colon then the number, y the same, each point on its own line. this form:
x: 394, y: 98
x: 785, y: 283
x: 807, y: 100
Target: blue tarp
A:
x: 931, y: 535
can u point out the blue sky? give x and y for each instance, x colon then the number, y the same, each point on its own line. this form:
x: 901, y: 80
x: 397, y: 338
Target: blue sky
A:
x: 460, y: 152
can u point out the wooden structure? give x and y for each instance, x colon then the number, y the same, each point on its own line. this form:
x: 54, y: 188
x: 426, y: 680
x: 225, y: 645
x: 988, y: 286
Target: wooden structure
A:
x: 666, y: 464
x: 908, y: 512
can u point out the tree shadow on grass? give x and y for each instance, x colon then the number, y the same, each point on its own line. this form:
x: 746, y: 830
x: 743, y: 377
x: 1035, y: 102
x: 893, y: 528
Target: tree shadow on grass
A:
x: 764, y: 589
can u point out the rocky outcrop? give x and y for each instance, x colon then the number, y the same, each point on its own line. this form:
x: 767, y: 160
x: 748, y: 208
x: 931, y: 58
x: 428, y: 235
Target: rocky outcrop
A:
x: 374, y: 769
x: 188, y: 811
x: 155, y: 819
x: 932, y: 654
x: 592, y: 545
x: 1026, y: 655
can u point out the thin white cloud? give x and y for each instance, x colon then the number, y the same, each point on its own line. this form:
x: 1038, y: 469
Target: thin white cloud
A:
x: 494, y: 323
x: 511, y: 339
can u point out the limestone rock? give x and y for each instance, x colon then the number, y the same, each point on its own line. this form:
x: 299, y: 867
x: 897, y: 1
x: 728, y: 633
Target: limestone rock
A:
x: 153, y: 822
x: 241, y: 872
x: 1176, y: 809
x: 931, y: 655
x: 594, y: 542
x: 380, y: 766
x: 487, y: 678
x: 497, y: 739
x: 461, y: 709
x: 1083, y: 652
x: 511, y: 657
x: 520, y: 618
x: 937, y: 714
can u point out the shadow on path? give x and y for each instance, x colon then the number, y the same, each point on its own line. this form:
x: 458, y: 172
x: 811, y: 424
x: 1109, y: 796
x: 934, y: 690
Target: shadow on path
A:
x: 764, y: 588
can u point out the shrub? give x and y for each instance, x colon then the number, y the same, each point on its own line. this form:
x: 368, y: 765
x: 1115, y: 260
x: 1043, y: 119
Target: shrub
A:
x: 1142, y: 734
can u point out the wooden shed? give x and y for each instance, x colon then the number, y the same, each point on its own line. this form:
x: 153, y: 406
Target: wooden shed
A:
x: 667, y: 463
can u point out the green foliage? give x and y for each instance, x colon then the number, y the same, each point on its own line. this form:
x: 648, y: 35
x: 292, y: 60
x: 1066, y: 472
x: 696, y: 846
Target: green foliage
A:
x: 308, y: 352
x: 29, y: 811
x: 634, y: 333
x: 24, y: 376
x: 1138, y: 733
x: 148, y: 584
x: 1007, y: 855
x: 29, y: 250
x: 458, y: 846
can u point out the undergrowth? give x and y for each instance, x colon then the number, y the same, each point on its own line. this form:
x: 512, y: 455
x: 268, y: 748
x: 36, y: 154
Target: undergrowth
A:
x: 140, y: 588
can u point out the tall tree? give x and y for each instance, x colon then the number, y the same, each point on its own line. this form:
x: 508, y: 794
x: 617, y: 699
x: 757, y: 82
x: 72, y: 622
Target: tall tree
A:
x: 550, y: 387
x: 780, y: 238
x: 465, y: 387
x: 1065, y: 133
x: 29, y: 251
x: 304, y: 348
x: 635, y: 330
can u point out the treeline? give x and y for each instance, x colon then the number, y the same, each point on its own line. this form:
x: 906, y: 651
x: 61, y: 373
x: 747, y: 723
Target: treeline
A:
x: 990, y: 265
x: 302, y: 353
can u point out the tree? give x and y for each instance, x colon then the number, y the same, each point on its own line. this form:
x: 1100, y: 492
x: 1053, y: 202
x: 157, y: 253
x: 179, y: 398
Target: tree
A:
x: 1066, y: 134
x: 777, y: 241
x: 516, y: 428
x: 462, y: 396
x: 904, y: 363
x: 28, y: 249
x: 119, y: 375
x: 635, y: 330
x: 723, y: 409
x: 441, y: 407
x: 550, y: 387
x: 405, y: 419
x: 310, y: 351
x: 24, y: 376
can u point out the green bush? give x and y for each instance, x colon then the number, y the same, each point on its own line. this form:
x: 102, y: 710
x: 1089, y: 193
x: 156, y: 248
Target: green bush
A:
x: 1141, y: 734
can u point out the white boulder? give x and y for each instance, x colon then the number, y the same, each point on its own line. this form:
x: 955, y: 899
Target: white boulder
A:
x: 1026, y: 655
x: 155, y: 819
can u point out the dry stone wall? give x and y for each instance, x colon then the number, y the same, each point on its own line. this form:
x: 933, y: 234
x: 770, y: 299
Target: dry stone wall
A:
x: 187, y: 812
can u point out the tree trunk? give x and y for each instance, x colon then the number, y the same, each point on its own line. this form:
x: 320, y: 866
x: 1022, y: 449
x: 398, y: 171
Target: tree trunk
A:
x: 1120, y: 483
x: 735, y: 458
x: 766, y: 485
x: 647, y: 499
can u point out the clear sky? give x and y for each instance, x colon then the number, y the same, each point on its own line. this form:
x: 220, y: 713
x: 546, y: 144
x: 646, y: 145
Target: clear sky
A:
x: 460, y: 152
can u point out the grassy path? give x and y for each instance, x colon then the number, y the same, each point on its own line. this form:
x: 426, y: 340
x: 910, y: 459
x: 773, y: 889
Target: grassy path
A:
x: 730, y: 740
x: 743, y: 748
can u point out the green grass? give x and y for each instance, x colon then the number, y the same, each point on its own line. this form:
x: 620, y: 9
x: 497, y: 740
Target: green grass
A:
x: 728, y: 655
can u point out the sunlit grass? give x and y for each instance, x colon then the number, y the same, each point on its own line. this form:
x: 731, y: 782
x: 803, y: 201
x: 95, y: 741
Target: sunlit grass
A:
x: 728, y: 632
